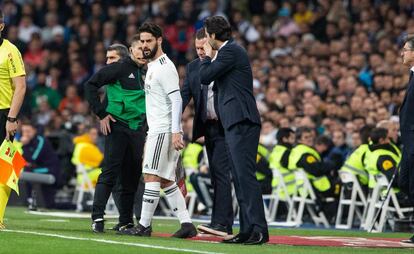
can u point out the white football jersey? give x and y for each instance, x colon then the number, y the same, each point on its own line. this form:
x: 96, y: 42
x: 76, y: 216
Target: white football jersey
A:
x: 160, y: 81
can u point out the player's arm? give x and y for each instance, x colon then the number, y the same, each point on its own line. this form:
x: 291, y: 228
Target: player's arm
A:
x: 186, y: 93
x: 170, y: 82
x: 212, y: 70
x: 18, y: 76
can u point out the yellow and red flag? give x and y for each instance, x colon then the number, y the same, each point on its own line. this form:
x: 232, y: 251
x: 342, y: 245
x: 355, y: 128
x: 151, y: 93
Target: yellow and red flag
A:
x: 11, y: 165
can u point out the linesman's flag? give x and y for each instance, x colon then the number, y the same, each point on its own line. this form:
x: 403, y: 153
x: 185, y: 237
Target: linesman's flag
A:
x: 11, y: 165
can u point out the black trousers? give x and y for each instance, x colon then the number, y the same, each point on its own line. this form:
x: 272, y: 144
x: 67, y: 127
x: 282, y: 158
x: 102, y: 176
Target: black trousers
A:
x: 122, y: 158
x: 116, y: 194
x: 406, y: 174
x: 242, y: 140
x: 220, y: 171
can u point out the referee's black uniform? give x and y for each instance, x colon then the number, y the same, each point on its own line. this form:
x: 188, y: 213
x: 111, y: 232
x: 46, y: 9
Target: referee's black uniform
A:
x: 125, y: 101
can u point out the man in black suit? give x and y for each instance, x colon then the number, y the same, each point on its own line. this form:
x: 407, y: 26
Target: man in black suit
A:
x: 237, y: 111
x: 406, y: 179
x: 206, y: 124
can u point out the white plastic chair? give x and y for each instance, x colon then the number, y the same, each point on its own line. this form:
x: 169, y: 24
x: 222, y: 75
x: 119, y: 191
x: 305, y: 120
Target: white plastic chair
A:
x: 355, y: 202
x: 305, y: 197
x: 390, y: 209
x: 273, y: 199
x: 85, y: 186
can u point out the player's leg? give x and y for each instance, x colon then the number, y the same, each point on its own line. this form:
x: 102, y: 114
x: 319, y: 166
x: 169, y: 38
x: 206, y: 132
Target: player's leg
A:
x: 151, y: 195
x: 173, y: 194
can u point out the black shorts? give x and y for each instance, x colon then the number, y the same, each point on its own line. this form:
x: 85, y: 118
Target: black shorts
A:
x: 3, y: 119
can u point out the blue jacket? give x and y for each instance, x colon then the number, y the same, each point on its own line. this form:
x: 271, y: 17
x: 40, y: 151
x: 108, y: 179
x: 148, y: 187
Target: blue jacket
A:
x: 233, y: 78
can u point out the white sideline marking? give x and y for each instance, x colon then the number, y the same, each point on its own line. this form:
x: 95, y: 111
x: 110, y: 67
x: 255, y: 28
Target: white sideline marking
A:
x: 52, y: 220
x: 109, y: 241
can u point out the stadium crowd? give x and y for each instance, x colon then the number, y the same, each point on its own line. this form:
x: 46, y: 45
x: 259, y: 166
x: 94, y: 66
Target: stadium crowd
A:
x: 331, y: 65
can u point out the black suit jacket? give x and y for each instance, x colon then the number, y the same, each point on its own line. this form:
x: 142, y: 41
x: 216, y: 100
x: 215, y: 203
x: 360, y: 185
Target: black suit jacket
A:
x: 232, y: 74
x: 192, y: 89
x: 407, y: 119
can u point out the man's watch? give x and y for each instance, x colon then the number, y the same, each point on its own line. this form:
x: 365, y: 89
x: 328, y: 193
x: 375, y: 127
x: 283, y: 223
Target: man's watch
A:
x: 12, y: 119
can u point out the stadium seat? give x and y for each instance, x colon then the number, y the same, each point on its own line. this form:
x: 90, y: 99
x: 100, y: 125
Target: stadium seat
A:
x: 306, y: 197
x: 355, y: 202
x: 85, y: 191
x: 83, y: 188
x: 271, y: 201
x: 391, y: 207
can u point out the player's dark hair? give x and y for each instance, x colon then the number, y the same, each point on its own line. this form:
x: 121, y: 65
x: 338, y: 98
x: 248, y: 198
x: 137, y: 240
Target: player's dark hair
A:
x: 151, y: 28
x: 219, y: 26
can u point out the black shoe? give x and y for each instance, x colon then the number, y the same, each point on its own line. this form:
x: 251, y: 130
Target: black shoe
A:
x: 239, y: 238
x: 214, y: 229
x: 98, y: 226
x: 187, y: 230
x: 411, y: 240
x: 256, y: 238
x: 120, y: 226
x: 138, y: 230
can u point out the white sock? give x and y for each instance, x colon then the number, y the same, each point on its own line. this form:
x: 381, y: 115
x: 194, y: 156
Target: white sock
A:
x: 149, y: 202
x: 177, y: 203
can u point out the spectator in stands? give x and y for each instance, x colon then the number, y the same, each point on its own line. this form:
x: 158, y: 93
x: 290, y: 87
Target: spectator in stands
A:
x: 41, y: 158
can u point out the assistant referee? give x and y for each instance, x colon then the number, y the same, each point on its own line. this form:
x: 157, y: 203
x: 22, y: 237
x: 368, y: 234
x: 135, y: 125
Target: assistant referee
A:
x: 12, y: 90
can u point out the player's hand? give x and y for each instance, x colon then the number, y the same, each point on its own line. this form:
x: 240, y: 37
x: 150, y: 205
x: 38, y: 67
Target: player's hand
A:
x: 208, y: 49
x: 105, y: 124
x: 11, y: 129
x: 177, y: 141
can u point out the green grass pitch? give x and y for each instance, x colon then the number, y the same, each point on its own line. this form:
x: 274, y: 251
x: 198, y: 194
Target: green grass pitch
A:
x: 44, y: 234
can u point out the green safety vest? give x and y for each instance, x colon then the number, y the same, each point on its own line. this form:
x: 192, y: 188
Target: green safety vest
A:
x: 355, y: 165
x: 288, y: 175
x: 262, y: 152
x: 371, y: 159
x: 321, y: 183
x: 190, y: 155
x: 190, y: 160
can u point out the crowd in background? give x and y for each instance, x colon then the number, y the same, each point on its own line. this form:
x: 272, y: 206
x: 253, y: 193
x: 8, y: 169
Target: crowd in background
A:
x: 331, y: 65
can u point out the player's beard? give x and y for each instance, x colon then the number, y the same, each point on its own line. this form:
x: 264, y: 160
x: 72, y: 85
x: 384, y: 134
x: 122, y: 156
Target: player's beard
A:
x: 152, y: 53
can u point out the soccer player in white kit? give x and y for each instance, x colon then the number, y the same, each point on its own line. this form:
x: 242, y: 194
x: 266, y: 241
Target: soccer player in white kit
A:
x: 163, y: 108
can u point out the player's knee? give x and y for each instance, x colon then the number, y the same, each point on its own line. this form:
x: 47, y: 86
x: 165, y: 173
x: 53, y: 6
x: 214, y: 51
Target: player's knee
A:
x: 166, y: 183
x: 151, y: 178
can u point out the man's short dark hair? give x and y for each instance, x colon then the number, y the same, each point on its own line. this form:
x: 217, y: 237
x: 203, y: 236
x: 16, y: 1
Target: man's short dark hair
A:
x: 410, y: 40
x: 135, y: 38
x: 151, y: 28
x: 219, y: 26
x: 201, y: 34
x: 301, y: 130
x: 120, y: 49
x: 283, y: 133
x: 365, y: 132
x: 377, y: 134
x: 324, y: 140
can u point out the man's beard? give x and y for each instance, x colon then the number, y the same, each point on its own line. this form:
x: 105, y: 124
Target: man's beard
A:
x: 152, y: 53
